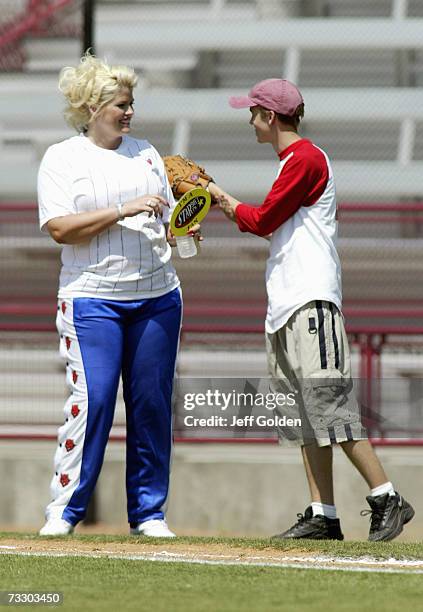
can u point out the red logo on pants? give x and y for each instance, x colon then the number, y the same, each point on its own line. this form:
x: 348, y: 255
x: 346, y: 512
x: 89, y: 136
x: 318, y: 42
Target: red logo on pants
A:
x: 69, y: 445
x: 64, y: 480
x: 75, y: 410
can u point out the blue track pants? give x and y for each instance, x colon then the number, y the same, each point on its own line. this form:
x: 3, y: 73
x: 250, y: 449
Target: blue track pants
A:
x: 102, y: 340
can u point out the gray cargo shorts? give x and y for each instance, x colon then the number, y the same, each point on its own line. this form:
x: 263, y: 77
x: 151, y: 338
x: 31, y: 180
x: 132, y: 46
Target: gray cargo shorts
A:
x: 309, y: 359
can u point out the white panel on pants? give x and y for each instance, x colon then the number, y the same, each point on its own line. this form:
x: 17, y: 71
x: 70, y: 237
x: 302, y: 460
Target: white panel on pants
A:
x: 68, y: 456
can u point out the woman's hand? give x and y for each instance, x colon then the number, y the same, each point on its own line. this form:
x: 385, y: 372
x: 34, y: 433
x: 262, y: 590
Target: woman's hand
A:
x: 170, y: 237
x: 82, y: 227
x: 195, y: 232
x: 151, y: 204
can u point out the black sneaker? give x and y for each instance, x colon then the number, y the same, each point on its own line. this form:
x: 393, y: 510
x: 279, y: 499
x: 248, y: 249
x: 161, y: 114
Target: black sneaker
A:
x: 389, y: 514
x: 313, y: 528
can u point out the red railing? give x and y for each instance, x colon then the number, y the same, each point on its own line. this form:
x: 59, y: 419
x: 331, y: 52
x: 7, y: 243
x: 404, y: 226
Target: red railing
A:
x: 34, y: 20
x: 27, y: 306
x: 30, y: 20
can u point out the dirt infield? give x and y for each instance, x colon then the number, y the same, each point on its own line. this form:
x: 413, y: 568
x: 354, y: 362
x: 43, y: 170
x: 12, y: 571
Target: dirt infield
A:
x: 207, y: 553
x: 139, y: 547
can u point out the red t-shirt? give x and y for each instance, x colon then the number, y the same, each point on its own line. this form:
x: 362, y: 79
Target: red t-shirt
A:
x: 301, y: 182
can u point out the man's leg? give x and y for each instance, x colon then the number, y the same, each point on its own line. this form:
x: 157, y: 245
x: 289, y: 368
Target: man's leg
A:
x: 285, y: 368
x: 318, y: 468
x: 389, y: 510
x: 364, y: 458
x: 319, y: 520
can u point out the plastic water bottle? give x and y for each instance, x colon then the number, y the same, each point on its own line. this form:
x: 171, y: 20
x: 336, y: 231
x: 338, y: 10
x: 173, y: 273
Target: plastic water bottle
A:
x: 186, y: 246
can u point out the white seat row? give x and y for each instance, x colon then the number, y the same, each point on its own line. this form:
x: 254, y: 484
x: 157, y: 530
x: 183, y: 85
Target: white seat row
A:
x: 187, y: 10
x: 28, y: 99
x: 267, y: 34
x: 34, y: 99
x: 207, y: 8
x: 251, y: 180
x: 307, y: 51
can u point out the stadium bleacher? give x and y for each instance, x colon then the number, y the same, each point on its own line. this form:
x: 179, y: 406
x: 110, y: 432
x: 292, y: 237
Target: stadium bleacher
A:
x: 359, y: 64
x: 360, y: 67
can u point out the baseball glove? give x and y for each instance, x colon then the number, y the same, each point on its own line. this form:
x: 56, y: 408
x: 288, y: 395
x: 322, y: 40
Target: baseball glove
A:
x: 184, y: 174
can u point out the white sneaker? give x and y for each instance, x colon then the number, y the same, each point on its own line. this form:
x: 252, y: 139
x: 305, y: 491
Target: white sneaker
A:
x: 56, y: 527
x: 156, y: 528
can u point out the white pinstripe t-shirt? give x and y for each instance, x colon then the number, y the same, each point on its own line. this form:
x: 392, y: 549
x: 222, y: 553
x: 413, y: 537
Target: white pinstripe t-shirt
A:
x: 130, y: 260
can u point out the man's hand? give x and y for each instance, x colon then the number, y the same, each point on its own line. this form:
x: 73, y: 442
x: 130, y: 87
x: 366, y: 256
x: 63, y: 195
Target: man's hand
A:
x: 224, y: 200
x: 228, y: 206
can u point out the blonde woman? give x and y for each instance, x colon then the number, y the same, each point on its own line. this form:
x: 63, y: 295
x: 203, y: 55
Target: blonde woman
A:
x: 105, y: 197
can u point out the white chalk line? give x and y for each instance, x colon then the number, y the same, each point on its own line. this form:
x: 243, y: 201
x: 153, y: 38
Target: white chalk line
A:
x: 348, y: 564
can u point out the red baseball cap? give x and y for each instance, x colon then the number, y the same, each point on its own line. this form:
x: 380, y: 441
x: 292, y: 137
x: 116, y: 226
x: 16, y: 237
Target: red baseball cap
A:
x: 278, y: 95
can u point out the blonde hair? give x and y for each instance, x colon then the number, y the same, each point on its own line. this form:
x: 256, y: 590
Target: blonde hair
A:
x: 93, y: 83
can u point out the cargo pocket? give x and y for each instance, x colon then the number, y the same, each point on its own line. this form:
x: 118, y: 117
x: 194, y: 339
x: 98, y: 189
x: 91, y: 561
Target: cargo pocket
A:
x: 327, y: 400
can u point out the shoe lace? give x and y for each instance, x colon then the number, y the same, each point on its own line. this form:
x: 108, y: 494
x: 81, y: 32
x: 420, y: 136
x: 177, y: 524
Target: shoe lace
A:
x: 301, y: 518
x: 376, y: 518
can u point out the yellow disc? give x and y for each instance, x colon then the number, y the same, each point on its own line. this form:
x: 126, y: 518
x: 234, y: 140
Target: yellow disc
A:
x: 190, y: 210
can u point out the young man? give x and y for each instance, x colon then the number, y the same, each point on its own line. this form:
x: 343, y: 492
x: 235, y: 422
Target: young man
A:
x: 307, y: 347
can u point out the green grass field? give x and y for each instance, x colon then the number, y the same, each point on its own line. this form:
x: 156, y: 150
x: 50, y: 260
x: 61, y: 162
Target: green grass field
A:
x: 120, y: 584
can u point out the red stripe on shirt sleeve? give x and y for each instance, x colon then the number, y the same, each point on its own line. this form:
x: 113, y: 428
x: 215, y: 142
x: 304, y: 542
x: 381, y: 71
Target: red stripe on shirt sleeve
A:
x: 301, y: 182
